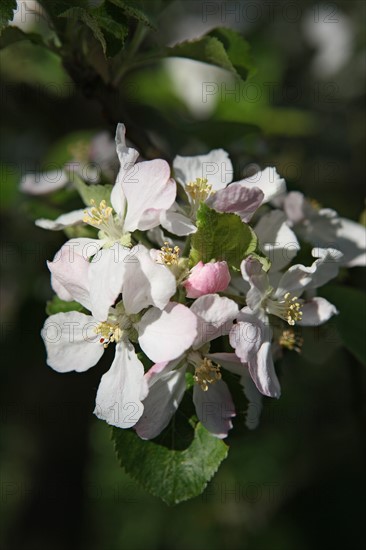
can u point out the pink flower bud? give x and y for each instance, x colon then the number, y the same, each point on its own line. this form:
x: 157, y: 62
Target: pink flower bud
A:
x: 207, y: 279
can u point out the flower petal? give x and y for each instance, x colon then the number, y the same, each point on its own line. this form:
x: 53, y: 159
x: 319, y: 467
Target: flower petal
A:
x: 238, y: 199
x: 215, y: 408
x: 165, y: 335
x: 46, y: 182
x: 127, y: 157
x: 263, y: 373
x: 207, y: 279
x: 246, y: 337
x: 177, y: 223
x: 146, y: 282
x: 161, y: 403
x: 276, y: 239
x: 269, y: 181
x: 215, y: 315
x: 71, y: 342
x: 118, y: 396
x: 216, y: 167
x: 316, y: 312
x: 149, y: 191
x: 65, y: 220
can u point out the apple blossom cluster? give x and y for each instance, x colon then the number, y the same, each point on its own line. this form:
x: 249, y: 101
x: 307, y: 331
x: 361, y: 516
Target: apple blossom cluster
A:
x: 133, y: 278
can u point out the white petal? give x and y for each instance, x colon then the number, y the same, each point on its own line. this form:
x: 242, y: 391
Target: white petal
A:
x: 215, y: 315
x: 269, y: 181
x: 71, y: 342
x: 146, y: 282
x: 65, y: 220
x: 255, y: 402
x: 118, y: 397
x: 177, y: 223
x: 215, y: 408
x: 46, y: 182
x: 106, y: 274
x: 351, y: 240
x: 263, y: 373
x: 70, y: 273
x: 165, y: 335
x: 316, y: 312
x: 127, y: 157
x: 216, y: 167
x: 246, y: 338
x: 161, y: 403
x: 276, y: 239
x: 238, y: 199
x: 149, y: 191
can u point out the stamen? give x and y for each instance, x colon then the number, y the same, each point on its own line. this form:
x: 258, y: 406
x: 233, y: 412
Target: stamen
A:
x: 207, y: 373
x: 168, y: 255
x: 290, y: 340
x: 199, y: 190
x: 110, y: 332
x: 97, y: 215
x: 288, y: 309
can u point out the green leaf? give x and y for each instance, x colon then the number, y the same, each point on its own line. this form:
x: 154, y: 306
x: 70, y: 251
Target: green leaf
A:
x: 11, y: 35
x: 80, y: 14
x: 56, y: 305
x: 351, y: 321
x: 7, y: 8
x: 172, y: 475
x: 222, y: 47
x: 98, y: 193
x: 132, y: 12
x: 221, y: 237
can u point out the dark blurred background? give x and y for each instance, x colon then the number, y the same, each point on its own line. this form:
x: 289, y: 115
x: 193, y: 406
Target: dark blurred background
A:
x: 298, y: 481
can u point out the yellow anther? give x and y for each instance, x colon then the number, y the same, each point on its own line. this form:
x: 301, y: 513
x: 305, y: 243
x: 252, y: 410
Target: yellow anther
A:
x: 97, y: 215
x: 199, y: 190
x: 290, y: 340
x: 109, y: 332
x: 169, y: 255
x: 293, y: 309
x: 207, y: 373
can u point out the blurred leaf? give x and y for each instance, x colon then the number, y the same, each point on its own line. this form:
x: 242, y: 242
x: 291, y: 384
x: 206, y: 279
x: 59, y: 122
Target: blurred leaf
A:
x: 56, y: 305
x: 131, y: 11
x: 10, y: 35
x: 7, y: 8
x: 81, y: 14
x: 224, y: 48
x: 351, y: 321
x: 9, y: 185
x: 221, y: 237
x: 98, y: 193
x: 173, y: 476
x: 63, y: 150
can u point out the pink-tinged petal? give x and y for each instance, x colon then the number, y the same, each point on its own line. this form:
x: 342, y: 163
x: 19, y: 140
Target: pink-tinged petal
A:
x: 216, y: 167
x: 46, y: 182
x: 316, y: 312
x: 237, y: 199
x: 295, y: 206
x: 215, y: 315
x: 165, y: 335
x: 276, y: 239
x: 177, y: 223
x: 106, y: 275
x: 118, y: 396
x: 147, y: 187
x: 269, y: 181
x: 63, y: 221
x: 263, y: 373
x: 161, y: 403
x: 146, y: 282
x: 232, y: 363
x: 71, y: 342
x: 207, y: 279
x: 127, y: 157
x: 215, y: 408
x: 70, y: 273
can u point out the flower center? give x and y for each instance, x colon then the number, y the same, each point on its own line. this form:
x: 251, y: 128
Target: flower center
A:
x: 109, y: 332
x: 288, y: 309
x: 290, y: 340
x: 102, y: 218
x: 98, y: 216
x: 199, y: 190
x: 169, y: 255
x: 206, y: 373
